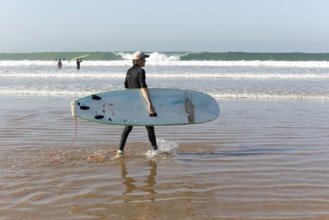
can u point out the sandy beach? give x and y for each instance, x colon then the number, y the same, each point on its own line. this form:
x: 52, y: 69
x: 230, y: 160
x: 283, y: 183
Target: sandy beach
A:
x: 258, y: 160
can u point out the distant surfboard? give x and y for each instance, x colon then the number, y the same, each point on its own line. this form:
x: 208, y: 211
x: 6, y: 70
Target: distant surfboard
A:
x: 75, y: 58
x: 128, y: 107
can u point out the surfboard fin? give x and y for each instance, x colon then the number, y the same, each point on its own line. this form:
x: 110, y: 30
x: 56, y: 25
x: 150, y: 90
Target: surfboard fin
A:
x: 189, y: 108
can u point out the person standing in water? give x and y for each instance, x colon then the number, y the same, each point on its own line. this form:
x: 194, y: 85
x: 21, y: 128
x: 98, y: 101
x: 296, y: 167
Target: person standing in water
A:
x: 78, y: 63
x: 59, y: 64
x: 135, y: 79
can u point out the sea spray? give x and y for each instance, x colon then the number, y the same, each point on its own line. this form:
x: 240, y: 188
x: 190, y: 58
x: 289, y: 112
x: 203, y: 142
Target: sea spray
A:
x: 166, y: 149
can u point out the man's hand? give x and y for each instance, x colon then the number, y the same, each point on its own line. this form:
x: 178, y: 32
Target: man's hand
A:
x: 151, y: 110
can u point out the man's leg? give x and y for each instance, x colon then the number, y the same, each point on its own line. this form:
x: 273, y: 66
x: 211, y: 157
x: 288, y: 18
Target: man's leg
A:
x: 124, y: 136
x: 152, y: 137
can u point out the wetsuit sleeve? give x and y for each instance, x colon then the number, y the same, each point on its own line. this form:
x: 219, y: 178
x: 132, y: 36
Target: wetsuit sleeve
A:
x: 141, y: 79
x: 126, y: 83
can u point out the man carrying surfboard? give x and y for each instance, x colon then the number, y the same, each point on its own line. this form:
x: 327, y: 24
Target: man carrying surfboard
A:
x: 135, y: 79
x: 79, y: 60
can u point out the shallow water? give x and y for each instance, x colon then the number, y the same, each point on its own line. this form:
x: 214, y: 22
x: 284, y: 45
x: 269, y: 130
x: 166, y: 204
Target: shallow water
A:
x: 252, y: 80
x: 258, y: 160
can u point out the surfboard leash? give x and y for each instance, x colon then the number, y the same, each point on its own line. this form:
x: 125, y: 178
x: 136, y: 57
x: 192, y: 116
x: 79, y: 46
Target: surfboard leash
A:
x: 76, y: 123
x: 55, y: 158
x: 76, y: 130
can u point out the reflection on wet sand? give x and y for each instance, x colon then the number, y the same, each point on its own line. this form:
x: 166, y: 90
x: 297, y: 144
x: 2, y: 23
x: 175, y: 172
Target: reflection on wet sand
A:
x: 129, y: 181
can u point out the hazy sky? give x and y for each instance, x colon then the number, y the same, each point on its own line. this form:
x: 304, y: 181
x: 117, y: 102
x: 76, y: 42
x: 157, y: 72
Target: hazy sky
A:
x: 170, y: 25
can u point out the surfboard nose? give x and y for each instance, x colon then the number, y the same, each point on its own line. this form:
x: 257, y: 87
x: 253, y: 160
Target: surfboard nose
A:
x: 73, y: 109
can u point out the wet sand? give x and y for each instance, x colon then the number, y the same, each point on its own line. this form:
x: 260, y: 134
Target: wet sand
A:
x: 258, y: 160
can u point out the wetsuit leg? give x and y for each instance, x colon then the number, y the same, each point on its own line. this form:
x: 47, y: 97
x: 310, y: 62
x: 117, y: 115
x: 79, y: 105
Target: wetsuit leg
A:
x: 124, y: 136
x: 152, y: 137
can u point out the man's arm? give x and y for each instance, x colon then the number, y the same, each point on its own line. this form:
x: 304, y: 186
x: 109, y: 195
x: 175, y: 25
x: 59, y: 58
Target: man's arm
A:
x: 148, y: 100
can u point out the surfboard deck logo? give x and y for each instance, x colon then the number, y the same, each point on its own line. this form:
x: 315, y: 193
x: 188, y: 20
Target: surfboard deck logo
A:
x: 128, y: 107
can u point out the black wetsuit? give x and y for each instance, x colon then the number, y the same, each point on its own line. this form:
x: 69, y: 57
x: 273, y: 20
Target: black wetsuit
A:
x: 78, y: 63
x: 59, y: 64
x: 135, y: 79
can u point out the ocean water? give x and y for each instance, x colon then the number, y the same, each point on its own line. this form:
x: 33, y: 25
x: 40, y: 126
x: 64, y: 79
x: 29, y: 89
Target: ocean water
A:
x: 265, y: 157
x: 252, y: 80
x: 187, y: 56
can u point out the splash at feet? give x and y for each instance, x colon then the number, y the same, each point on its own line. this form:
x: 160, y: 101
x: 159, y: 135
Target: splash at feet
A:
x: 166, y: 149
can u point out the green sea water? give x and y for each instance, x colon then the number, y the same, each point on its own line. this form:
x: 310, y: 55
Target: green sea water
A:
x: 59, y: 55
x: 184, y: 56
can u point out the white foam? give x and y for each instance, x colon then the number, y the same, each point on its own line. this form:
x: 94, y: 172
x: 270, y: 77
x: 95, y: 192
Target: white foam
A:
x: 190, y: 75
x: 268, y: 82
x: 164, y: 145
x: 269, y: 96
x: 155, y: 57
x: 45, y: 92
x: 167, y: 146
x: 64, y: 75
x: 158, y: 59
x: 166, y: 149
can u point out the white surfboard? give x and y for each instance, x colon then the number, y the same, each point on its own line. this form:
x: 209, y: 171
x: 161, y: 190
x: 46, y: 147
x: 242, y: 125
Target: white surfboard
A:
x: 75, y: 58
x: 128, y: 107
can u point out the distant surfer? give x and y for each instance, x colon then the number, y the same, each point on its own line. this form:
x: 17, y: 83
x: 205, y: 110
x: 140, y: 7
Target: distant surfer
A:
x: 78, y: 63
x: 135, y: 79
x: 59, y: 64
